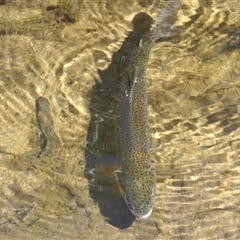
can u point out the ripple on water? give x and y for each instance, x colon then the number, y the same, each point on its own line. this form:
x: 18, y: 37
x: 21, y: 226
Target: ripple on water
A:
x: 54, y: 50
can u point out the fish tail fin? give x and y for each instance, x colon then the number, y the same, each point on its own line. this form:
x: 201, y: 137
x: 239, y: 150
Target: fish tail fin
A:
x: 164, y: 23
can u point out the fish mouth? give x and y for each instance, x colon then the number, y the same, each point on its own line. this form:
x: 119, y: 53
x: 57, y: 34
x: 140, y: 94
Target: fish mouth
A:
x: 138, y: 215
x: 143, y: 217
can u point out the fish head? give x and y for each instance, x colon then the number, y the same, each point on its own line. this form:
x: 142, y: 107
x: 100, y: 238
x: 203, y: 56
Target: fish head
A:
x: 138, y: 190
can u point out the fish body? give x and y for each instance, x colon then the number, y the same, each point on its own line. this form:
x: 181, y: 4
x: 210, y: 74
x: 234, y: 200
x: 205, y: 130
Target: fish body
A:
x: 136, y: 174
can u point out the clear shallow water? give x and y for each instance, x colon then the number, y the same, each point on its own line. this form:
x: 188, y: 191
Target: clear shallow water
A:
x: 56, y: 50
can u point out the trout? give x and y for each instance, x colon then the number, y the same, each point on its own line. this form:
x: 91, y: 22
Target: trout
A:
x: 136, y: 174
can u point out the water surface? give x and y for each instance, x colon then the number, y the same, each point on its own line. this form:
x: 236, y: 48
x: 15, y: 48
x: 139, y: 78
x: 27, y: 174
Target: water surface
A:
x: 63, y: 51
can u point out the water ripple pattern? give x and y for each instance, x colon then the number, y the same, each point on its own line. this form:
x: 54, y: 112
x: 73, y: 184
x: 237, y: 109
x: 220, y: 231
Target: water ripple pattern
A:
x: 54, y: 52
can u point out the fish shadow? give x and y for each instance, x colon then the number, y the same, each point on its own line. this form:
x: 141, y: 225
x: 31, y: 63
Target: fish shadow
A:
x: 101, y: 142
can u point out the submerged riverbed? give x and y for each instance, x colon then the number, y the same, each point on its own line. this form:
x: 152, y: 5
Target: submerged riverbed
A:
x: 62, y: 51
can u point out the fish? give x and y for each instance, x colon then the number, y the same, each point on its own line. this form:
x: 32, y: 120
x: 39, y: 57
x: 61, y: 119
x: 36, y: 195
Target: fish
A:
x: 136, y: 175
x: 50, y: 140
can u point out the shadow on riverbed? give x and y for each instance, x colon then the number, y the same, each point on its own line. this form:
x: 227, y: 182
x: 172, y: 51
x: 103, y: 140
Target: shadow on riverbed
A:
x: 101, y: 144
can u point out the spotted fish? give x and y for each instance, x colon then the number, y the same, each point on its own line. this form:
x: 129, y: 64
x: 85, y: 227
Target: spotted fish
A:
x: 136, y: 174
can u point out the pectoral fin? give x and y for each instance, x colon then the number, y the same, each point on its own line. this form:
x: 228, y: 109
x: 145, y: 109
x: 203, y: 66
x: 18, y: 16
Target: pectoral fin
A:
x: 164, y: 172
